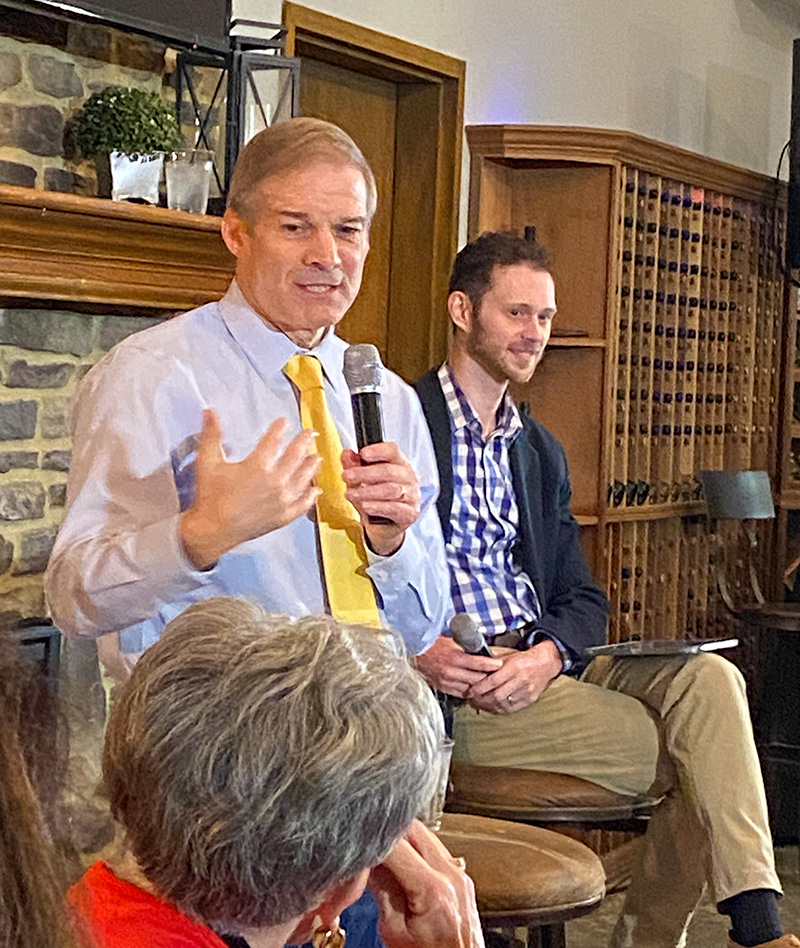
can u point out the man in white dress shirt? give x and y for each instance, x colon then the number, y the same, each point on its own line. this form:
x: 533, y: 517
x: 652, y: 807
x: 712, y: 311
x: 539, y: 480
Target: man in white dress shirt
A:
x: 191, y: 475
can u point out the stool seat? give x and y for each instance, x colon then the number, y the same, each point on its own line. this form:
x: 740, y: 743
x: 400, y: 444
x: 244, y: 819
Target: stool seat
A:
x: 524, y: 875
x: 537, y: 796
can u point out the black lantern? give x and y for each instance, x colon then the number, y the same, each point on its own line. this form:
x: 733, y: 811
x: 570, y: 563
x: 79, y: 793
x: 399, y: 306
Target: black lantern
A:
x: 263, y: 87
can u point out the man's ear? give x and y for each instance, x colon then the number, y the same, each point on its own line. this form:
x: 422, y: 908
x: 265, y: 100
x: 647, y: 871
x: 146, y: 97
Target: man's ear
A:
x: 459, y: 306
x: 234, y: 231
x: 326, y: 914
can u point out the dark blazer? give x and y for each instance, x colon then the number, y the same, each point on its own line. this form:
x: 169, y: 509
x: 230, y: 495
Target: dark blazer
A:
x: 548, y: 547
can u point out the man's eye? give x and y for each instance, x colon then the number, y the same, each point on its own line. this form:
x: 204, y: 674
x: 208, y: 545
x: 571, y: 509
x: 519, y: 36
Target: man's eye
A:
x: 514, y: 311
x: 291, y: 228
x: 349, y: 230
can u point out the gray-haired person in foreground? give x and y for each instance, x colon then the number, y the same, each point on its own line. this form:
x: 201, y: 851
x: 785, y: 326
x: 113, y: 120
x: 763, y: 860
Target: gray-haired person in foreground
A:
x: 264, y: 770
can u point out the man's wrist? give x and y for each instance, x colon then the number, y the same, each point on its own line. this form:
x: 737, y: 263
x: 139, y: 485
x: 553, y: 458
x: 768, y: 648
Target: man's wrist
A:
x: 201, y: 540
x: 383, y: 546
x: 556, y: 661
x: 536, y: 636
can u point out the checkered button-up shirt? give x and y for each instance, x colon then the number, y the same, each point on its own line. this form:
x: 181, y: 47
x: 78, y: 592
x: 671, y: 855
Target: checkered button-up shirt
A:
x: 484, y: 579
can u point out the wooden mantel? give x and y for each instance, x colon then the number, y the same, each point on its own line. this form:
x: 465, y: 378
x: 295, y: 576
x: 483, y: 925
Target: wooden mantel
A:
x: 89, y: 250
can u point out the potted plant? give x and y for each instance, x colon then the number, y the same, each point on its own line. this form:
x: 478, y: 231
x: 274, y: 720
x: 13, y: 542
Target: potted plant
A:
x: 134, y: 128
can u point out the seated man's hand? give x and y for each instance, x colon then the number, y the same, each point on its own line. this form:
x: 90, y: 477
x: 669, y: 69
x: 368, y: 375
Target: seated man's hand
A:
x: 523, y: 677
x: 425, y: 898
x: 384, y: 485
x: 447, y: 667
x: 237, y: 501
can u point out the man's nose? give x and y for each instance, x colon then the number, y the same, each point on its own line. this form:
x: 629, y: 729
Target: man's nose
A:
x: 537, y: 329
x: 323, y: 249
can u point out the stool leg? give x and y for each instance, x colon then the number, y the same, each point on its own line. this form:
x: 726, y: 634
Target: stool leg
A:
x: 547, y: 936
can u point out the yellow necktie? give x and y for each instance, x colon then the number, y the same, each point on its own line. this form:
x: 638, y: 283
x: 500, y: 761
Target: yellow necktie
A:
x: 341, y: 539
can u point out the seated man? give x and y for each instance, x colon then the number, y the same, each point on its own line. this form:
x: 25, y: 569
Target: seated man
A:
x: 516, y: 565
x: 182, y: 484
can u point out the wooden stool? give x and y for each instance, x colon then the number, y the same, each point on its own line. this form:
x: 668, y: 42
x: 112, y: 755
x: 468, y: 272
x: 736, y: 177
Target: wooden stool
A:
x: 567, y: 804
x: 525, y: 876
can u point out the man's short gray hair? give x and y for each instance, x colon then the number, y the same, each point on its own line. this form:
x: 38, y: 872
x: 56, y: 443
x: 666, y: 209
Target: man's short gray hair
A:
x: 290, y: 146
x: 256, y: 761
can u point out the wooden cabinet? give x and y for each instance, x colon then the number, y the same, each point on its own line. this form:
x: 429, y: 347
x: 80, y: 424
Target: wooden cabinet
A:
x: 666, y: 350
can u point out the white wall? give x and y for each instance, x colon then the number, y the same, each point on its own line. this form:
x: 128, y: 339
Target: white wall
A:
x: 709, y: 75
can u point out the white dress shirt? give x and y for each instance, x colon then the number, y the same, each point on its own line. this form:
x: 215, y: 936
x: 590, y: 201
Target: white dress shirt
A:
x: 118, y: 564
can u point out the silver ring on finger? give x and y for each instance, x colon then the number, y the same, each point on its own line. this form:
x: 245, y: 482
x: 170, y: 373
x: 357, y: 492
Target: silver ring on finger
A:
x: 510, y: 699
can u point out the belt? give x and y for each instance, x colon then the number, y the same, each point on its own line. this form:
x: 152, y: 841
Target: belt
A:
x: 516, y: 638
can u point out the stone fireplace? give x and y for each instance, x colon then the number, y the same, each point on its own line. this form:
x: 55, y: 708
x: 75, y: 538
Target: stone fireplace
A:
x: 77, y: 275
x: 44, y: 353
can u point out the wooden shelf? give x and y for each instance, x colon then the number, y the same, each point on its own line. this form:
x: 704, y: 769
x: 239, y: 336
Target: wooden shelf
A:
x: 576, y: 342
x: 89, y: 250
x: 622, y: 514
x: 789, y: 498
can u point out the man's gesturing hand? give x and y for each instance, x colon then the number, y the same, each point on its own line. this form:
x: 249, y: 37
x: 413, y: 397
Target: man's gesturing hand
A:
x: 236, y: 501
x: 425, y: 899
x: 524, y: 676
x: 449, y: 668
x: 385, y: 485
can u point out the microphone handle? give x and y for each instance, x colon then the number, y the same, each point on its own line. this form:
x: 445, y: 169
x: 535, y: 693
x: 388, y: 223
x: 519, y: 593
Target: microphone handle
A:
x: 367, y: 418
x: 483, y: 650
x: 368, y: 421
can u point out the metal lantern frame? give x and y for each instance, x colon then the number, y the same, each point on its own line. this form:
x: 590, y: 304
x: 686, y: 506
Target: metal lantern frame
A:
x: 247, y: 56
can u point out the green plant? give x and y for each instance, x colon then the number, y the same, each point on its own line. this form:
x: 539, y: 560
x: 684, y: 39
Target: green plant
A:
x: 128, y: 120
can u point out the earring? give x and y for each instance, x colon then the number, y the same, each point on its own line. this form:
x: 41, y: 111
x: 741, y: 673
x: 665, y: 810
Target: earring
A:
x: 325, y: 937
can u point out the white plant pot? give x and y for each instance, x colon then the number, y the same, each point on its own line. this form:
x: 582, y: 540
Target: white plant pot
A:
x: 135, y: 177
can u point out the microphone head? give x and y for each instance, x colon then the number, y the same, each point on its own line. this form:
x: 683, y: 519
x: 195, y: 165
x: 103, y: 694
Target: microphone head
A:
x: 362, y: 368
x: 465, y: 633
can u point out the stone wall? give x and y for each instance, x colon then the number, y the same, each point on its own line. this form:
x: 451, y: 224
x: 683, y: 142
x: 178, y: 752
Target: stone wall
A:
x: 44, y: 353
x: 43, y: 86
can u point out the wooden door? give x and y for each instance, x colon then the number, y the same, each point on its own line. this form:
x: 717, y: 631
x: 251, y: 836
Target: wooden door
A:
x: 366, y: 108
x: 403, y: 105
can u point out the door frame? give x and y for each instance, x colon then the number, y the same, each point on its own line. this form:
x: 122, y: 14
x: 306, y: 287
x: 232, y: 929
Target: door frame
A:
x: 425, y: 203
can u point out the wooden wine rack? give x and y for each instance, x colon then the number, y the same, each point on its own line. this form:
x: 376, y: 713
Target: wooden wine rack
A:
x: 666, y: 353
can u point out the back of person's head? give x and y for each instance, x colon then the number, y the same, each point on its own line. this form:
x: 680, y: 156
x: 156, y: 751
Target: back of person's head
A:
x: 256, y: 761
x: 32, y: 766
x: 475, y: 263
x: 289, y: 146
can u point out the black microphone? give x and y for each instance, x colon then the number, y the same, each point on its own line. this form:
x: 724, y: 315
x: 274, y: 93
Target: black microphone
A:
x: 362, y: 371
x: 466, y: 634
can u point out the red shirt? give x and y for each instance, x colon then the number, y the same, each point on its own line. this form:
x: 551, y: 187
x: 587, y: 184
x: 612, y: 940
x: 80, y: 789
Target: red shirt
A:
x: 111, y: 913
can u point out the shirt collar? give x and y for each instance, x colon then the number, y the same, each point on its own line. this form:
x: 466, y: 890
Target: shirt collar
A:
x: 508, y: 422
x: 268, y: 349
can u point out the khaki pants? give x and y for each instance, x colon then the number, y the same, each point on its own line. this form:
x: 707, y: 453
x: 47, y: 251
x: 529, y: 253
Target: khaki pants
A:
x: 679, y: 724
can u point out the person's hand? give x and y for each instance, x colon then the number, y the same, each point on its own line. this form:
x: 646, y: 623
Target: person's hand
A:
x: 242, y: 500
x: 425, y: 898
x: 384, y: 485
x: 447, y: 667
x: 524, y: 676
